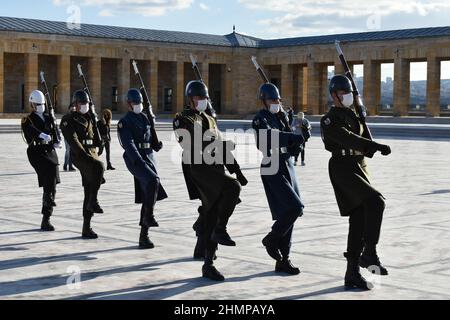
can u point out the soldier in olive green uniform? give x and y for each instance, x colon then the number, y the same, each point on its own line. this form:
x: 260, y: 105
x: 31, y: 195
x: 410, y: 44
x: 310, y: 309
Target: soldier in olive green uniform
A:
x: 344, y: 136
x: 218, y: 191
x: 78, y: 130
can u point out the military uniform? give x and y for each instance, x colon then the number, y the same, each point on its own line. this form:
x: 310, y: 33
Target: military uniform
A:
x: 281, y: 188
x: 42, y: 156
x: 78, y: 130
x: 135, y: 137
x: 218, y: 191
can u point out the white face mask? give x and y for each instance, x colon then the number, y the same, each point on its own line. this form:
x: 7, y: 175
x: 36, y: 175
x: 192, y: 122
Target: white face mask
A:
x: 40, y: 108
x: 138, y: 108
x: 275, y: 108
x: 84, y: 108
x: 347, y: 100
x: 202, y: 105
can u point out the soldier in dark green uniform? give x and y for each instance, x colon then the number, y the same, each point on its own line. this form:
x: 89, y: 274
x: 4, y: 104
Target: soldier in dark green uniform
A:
x: 78, y: 130
x: 40, y: 135
x: 218, y: 191
x: 344, y: 136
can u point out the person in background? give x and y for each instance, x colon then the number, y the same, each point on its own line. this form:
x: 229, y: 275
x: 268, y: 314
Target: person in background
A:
x: 301, y: 125
x: 68, y: 165
x: 104, y: 126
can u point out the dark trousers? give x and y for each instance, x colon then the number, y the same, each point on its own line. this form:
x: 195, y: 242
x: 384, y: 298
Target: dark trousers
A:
x: 149, y: 196
x: 365, y: 225
x: 282, y: 229
x: 108, y: 151
x: 219, y: 216
x: 49, y: 193
x: 302, y: 153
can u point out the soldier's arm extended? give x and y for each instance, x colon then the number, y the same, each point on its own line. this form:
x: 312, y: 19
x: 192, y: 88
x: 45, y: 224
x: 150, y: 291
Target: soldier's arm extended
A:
x: 72, y: 139
x: 128, y: 144
x: 334, y: 130
x: 286, y: 139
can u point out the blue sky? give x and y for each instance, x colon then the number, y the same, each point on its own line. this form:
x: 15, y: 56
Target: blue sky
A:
x: 260, y: 18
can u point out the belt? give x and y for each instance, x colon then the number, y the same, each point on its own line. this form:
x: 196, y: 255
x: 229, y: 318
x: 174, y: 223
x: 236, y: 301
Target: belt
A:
x: 279, y: 150
x: 87, y: 143
x: 347, y: 152
x: 40, y: 143
x: 144, y: 146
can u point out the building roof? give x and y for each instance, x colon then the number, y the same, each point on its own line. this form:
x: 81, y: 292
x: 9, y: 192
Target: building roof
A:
x: 231, y: 40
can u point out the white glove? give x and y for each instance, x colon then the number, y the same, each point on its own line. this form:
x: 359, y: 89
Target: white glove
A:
x: 57, y: 146
x: 45, y: 137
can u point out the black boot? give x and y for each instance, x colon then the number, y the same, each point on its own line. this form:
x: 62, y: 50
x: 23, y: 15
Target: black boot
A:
x: 370, y: 259
x: 144, y: 240
x: 46, y: 225
x: 65, y: 167
x: 221, y: 236
x: 286, y: 266
x: 110, y: 167
x: 151, y: 221
x: 271, y: 242
x: 209, y: 271
x: 88, y: 233
x: 353, y: 278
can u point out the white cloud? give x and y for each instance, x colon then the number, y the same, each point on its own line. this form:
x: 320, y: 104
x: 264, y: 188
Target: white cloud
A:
x: 141, y: 7
x: 204, y: 6
x: 312, y: 17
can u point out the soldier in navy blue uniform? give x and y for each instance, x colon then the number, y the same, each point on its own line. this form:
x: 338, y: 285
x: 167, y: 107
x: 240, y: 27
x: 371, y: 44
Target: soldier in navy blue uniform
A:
x: 277, y: 142
x: 134, y: 131
x: 40, y: 136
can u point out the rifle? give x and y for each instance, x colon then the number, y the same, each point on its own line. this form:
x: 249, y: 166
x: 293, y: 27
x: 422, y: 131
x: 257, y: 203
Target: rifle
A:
x: 359, y: 106
x: 51, y: 109
x: 148, y: 109
x: 199, y: 77
x: 91, y: 112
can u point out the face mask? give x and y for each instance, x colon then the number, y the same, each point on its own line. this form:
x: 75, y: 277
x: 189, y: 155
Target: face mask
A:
x: 202, y: 105
x: 347, y: 100
x: 275, y: 108
x: 138, y: 108
x: 84, y: 108
x: 40, y: 108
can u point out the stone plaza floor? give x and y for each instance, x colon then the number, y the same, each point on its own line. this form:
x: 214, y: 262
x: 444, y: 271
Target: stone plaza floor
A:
x: 415, y: 243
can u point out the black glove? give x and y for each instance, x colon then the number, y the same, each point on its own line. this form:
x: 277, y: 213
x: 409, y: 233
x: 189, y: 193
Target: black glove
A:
x: 384, y: 149
x: 240, y: 177
x: 158, y: 146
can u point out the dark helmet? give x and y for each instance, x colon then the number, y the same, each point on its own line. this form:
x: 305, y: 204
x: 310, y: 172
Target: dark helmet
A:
x: 340, y: 83
x: 134, y: 96
x: 269, y: 91
x: 80, y: 96
x: 196, y: 89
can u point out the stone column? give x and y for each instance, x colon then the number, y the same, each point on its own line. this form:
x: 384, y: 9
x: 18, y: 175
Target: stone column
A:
x: 372, y: 86
x: 227, y: 89
x: 401, y: 86
x: 287, y: 84
x: 123, y: 75
x: 153, y: 88
x: 338, y: 67
x: 2, y: 79
x: 433, y: 86
x: 63, y: 75
x: 31, y: 76
x: 314, y: 92
x: 94, y: 77
x: 179, y: 91
x: 298, y: 88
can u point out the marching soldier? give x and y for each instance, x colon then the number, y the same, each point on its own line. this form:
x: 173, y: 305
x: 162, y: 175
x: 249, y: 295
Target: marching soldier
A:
x: 219, y: 192
x: 78, y: 130
x: 40, y: 135
x: 135, y: 138
x: 277, y: 142
x: 344, y: 136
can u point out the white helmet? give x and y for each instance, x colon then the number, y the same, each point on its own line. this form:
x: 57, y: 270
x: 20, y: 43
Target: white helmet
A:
x: 37, y: 97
